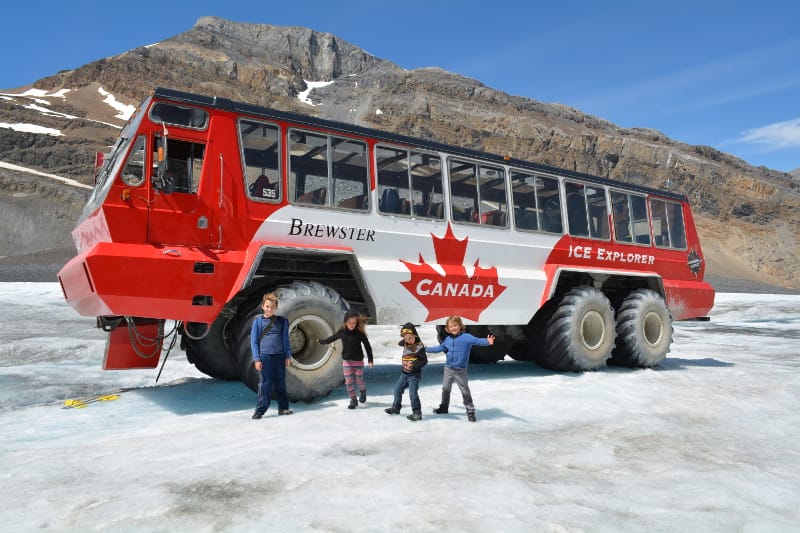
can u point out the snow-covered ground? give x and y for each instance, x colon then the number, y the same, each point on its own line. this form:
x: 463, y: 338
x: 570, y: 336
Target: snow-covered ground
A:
x: 708, y: 441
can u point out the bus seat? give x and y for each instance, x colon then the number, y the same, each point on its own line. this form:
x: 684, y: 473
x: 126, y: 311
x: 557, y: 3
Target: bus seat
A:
x: 576, y: 213
x: 354, y: 202
x: 436, y: 211
x: 317, y: 196
x: 390, y: 201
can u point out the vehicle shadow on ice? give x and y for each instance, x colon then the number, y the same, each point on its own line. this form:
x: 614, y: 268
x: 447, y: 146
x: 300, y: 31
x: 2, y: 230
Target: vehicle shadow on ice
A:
x: 678, y: 363
x: 207, y: 395
x: 200, y: 395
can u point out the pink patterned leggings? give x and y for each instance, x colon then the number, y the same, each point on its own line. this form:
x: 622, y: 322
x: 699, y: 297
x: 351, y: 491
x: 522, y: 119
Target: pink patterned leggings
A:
x: 353, y: 372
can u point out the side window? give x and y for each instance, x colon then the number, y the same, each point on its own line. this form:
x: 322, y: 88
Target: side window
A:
x: 260, y: 145
x: 463, y: 191
x: 328, y: 170
x: 184, y: 165
x: 477, y: 193
x: 537, y: 202
x: 492, y: 196
x: 426, y: 185
x: 622, y: 217
x: 409, y: 183
x: 349, y: 165
x: 665, y: 216
x: 133, y: 171
x: 598, y: 212
x: 677, y: 232
x: 308, y: 167
x: 548, y: 200
x: 587, y: 210
x: 523, y: 190
x: 577, y: 217
x: 641, y: 224
x: 393, y: 186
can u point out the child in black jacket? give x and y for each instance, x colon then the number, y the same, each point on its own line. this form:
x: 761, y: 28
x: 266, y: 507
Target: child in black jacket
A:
x: 414, y: 358
x: 353, y: 335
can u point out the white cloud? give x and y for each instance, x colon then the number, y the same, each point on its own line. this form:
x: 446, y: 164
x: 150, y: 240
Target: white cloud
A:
x: 775, y: 136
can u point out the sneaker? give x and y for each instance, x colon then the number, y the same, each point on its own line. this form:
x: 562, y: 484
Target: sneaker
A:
x: 353, y: 403
x: 416, y: 416
x: 392, y: 411
x: 471, y: 416
x: 363, y: 396
x: 256, y: 416
x: 440, y: 410
x: 285, y: 412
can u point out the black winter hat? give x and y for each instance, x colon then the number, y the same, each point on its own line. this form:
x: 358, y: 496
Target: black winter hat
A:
x: 408, y: 327
x: 351, y: 313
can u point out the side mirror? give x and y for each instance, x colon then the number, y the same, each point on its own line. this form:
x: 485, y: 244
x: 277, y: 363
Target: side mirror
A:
x: 162, y: 180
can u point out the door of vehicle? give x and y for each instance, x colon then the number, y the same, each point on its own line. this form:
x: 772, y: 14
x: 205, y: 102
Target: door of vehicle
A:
x: 178, y: 214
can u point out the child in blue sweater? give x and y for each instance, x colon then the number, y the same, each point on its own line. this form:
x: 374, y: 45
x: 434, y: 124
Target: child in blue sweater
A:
x: 457, y: 346
x: 269, y: 342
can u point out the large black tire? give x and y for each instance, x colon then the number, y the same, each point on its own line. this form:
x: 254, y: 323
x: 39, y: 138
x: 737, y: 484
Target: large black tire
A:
x: 580, y: 333
x: 314, y: 311
x: 209, y: 348
x: 644, y: 330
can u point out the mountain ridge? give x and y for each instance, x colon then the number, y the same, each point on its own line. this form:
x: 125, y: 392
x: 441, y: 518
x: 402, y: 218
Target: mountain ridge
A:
x: 747, y: 216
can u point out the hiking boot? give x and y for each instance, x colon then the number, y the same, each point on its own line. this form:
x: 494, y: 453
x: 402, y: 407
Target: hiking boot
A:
x: 441, y: 410
x: 416, y: 416
x: 392, y: 411
x: 256, y: 416
x: 285, y: 412
x: 363, y: 396
x: 471, y: 416
x: 353, y: 403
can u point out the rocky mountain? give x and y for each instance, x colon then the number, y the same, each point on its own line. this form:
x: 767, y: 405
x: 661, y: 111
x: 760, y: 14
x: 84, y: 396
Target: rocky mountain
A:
x: 748, y: 217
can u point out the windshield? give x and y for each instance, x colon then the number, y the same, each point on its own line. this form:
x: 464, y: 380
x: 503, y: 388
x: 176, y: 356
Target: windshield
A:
x: 113, y: 161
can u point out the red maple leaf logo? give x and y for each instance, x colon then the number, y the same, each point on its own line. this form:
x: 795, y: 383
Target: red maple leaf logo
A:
x: 456, y: 292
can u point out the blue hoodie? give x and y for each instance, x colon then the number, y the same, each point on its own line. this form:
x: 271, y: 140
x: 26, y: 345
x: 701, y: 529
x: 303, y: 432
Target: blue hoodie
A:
x: 457, y: 349
x: 274, y: 342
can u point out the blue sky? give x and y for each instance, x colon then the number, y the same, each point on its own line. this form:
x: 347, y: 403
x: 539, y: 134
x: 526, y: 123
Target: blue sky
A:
x: 718, y: 73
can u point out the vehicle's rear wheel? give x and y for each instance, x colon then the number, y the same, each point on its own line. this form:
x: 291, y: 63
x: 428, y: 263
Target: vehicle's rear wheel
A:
x: 644, y: 330
x: 580, y: 333
x: 208, y: 348
x: 314, y: 311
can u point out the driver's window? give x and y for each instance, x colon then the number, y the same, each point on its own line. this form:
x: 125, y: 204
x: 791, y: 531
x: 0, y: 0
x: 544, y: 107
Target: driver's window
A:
x: 133, y: 171
x: 184, y: 165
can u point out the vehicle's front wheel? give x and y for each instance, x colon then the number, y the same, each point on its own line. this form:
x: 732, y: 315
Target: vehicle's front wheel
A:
x: 580, y: 333
x: 208, y: 348
x: 644, y: 330
x: 314, y: 312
